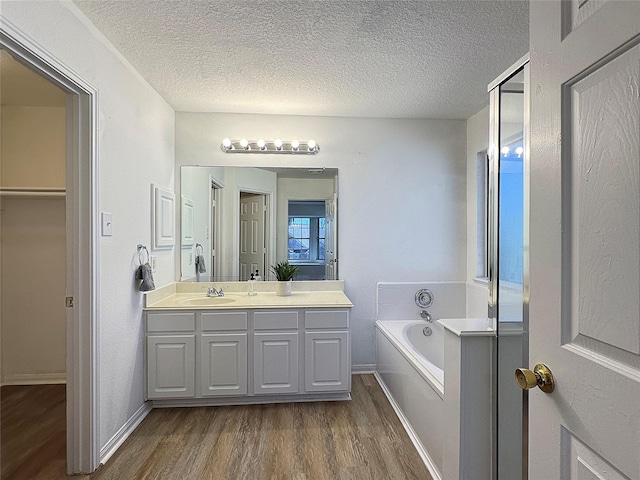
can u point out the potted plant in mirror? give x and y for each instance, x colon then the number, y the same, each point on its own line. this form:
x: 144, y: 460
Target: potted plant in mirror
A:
x: 284, y: 272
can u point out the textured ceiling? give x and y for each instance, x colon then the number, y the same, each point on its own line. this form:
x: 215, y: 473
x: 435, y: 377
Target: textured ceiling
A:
x: 373, y: 58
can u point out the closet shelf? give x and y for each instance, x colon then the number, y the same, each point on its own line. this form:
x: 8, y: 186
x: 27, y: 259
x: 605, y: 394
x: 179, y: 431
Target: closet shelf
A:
x: 32, y: 192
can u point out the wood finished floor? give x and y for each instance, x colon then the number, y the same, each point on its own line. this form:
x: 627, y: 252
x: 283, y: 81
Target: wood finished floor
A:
x: 360, y: 439
x: 33, y: 432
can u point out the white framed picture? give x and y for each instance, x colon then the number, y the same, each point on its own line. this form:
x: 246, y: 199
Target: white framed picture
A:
x: 162, y: 218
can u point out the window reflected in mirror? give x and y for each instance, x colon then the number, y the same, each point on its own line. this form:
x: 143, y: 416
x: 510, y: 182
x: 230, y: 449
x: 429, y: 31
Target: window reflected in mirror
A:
x: 297, y: 208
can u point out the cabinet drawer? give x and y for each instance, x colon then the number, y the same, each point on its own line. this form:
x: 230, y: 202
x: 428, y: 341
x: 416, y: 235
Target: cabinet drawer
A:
x: 275, y: 320
x: 171, y: 322
x: 224, y: 321
x: 326, y: 319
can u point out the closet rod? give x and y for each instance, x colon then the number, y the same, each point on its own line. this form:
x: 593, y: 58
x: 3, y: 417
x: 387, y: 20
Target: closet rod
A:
x: 32, y: 192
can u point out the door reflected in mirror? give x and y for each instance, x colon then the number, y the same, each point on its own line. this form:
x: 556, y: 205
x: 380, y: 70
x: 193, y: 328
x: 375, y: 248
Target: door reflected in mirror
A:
x: 239, y: 220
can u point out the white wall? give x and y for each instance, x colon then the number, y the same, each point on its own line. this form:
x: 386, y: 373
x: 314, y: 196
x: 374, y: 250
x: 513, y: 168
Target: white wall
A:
x: 135, y: 146
x: 402, y: 194
x: 197, y: 188
x: 33, y: 290
x: 33, y: 146
x: 32, y: 233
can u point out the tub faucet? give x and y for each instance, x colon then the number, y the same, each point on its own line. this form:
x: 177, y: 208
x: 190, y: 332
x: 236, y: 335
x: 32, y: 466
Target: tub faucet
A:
x: 212, y: 292
x: 424, y: 314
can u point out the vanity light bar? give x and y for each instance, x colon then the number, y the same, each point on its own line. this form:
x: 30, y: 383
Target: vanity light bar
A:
x: 269, y: 146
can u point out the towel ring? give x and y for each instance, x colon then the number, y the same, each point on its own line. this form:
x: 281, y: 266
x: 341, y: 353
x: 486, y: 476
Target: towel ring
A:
x: 142, y: 248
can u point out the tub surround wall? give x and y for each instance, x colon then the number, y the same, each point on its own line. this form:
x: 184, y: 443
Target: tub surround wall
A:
x: 466, y: 445
x: 392, y: 172
x: 396, y: 300
x: 135, y: 148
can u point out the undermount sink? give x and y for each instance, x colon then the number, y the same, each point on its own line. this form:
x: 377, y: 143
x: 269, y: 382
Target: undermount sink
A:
x: 205, y: 301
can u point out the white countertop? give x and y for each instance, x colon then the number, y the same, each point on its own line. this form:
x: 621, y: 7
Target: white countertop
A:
x: 240, y: 300
x: 469, y: 327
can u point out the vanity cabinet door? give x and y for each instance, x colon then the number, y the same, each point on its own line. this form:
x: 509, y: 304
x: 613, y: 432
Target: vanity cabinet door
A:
x: 171, y: 366
x: 327, y: 366
x: 275, y: 362
x: 223, y: 364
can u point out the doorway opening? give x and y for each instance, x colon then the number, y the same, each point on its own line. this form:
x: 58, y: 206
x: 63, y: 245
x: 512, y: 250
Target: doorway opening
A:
x: 32, y: 246
x: 81, y: 248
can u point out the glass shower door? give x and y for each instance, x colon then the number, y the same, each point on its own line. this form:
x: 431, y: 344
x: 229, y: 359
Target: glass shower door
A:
x: 508, y: 267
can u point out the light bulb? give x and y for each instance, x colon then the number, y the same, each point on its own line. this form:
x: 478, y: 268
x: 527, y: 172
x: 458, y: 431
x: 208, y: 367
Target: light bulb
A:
x: 519, y: 151
x: 262, y: 145
x: 244, y: 143
x: 226, y: 143
x: 312, y: 145
x: 278, y: 144
x: 295, y: 144
x: 505, y: 151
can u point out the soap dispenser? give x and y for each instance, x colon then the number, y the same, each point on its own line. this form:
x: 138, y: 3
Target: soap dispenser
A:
x: 252, y: 286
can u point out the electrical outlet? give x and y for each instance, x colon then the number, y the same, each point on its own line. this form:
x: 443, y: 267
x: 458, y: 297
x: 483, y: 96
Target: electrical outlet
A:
x: 154, y: 263
x: 190, y: 258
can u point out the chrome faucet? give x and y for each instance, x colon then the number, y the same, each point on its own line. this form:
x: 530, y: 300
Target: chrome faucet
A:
x: 424, y: 314
x: 212, y: 292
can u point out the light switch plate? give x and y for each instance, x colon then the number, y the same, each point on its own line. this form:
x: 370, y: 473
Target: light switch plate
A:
x: 107, y: 224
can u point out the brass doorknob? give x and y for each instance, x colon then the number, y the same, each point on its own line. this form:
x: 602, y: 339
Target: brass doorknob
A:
x: 540, y: 377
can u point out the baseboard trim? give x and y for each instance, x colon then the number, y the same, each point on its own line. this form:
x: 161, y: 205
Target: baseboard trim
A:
x: 363, y: 369
x: 121, y: 435
x: 250, y: 400
x: 35, y: 379
x: 424, y: 455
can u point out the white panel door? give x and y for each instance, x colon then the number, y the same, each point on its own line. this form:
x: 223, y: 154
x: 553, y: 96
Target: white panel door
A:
x: 275, y: 363
x: 252, y: 235
x: 171, y: 367
x: 223, y: 364
x: 585, y: 239
x: 326, y: 362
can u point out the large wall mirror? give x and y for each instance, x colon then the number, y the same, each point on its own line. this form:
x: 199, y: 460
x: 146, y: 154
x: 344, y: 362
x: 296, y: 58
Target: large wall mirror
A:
x: 239, y: 220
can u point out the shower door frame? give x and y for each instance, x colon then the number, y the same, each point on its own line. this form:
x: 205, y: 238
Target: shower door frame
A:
x: 493, y: 243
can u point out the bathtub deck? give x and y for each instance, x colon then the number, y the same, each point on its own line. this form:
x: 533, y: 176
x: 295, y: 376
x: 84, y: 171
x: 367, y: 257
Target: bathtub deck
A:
x: 360, y: 439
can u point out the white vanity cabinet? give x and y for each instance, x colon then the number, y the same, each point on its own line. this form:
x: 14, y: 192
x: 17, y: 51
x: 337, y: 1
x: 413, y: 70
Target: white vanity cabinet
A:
x: 254, y: 355
x: 170, y: 350
x: 275, y: 351
x: 223, y: 353
x: 327, y: 360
